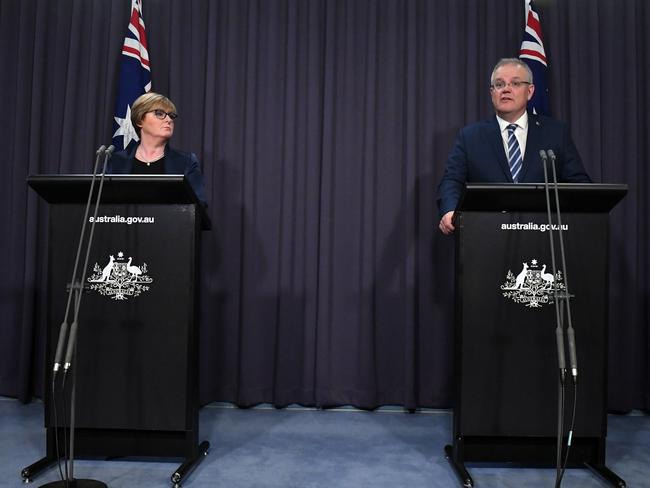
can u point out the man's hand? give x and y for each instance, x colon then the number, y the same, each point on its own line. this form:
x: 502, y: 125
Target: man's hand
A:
x: 446, y: 226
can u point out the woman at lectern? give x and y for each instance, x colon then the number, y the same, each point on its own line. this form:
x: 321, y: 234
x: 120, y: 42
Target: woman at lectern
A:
x: 153, y: 117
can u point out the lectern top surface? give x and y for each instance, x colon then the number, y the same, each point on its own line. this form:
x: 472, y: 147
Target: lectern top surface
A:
x: 573, y: 197
x: 130, y: 189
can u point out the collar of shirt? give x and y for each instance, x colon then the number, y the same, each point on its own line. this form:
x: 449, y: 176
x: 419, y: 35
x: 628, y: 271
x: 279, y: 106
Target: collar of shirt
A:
x: 521, y: 132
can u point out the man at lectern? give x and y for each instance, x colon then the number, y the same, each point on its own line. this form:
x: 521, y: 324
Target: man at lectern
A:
x: 505, y: 148
x: 153, y: 117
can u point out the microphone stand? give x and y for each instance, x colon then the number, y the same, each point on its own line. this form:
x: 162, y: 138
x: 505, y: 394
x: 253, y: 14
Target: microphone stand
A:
x: 70, y: 338
x: 560, y: 300
x: 63, y: 330
x: 573, y: 358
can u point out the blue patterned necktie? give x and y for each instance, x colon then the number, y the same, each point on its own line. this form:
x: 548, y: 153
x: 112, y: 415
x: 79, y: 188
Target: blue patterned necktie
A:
x: 514, y: 153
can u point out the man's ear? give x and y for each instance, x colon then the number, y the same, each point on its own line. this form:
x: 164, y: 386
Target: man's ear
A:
x: 531, y: 90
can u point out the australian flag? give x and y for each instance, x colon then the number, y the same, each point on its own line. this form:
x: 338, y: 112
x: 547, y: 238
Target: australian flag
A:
x: 135, y: 77
x: 533, y: 54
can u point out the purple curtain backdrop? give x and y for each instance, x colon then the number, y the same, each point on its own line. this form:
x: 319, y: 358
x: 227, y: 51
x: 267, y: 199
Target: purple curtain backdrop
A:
x: 323, y: 128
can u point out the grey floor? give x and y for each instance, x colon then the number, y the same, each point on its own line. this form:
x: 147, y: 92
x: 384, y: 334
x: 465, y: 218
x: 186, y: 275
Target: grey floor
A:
x: 303, y: 448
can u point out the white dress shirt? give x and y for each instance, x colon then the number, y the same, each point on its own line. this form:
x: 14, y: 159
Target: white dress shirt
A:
x: 521, y: 132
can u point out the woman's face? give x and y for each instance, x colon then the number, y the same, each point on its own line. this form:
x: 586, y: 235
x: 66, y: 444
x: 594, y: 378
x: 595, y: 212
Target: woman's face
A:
x: 156, y: 124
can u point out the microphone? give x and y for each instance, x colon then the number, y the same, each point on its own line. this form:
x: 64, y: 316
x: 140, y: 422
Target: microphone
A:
x: 559, y: 328
x: 63, y: 330
x: 559, y: 331
x: 570, y: 332
x: 566, y: 297
x: 72, y: 338
x: 543, y: 156
x: 573, y: 360
x: 107, y: 156
x: 71, y: 344
x: 551, y: 156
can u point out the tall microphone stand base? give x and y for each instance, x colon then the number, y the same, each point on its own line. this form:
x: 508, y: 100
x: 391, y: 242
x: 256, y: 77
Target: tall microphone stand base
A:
x: 75, y: 484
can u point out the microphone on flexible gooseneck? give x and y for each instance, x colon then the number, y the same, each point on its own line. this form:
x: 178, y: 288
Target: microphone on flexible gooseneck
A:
x: 561, y: 300
x: 70, y: 354
x: 73, y: 329
x: 559, y: 332
x: 63, y: 330
x: 573, y: 357
x: 68, y: 333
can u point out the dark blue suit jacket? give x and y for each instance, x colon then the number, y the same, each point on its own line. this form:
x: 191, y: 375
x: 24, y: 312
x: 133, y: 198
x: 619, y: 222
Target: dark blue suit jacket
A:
x: 176, y: 163
x: 478, y: 156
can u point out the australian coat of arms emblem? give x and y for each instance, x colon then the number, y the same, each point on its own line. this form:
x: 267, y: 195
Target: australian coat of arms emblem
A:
x: 532, y: 286
x: 119, y: 278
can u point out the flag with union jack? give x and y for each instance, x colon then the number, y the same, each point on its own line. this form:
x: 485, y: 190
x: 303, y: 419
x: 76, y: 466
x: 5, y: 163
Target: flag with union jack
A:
x: 135, y: 77
x: 533, y: 54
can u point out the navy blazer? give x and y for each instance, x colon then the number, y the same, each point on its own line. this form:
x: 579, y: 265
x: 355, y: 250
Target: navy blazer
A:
x: 176, y: 163
x: 478, y: 156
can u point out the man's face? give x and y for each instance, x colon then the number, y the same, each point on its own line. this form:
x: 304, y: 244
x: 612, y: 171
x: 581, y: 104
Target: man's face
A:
x: 510, y: 101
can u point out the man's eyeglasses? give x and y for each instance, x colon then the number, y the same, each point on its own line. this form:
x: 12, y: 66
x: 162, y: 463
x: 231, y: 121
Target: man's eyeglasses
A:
x: 500, y: 85
x: 161, y: 114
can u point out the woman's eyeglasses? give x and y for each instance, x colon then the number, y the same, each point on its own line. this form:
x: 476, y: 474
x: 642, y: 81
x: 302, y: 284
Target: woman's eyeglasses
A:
x: 161, y: 114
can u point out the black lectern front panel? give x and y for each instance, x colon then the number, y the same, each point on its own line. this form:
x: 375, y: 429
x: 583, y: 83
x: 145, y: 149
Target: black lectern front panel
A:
x: 509, y: 368
x: 507, y: 372
x: 136, y: 321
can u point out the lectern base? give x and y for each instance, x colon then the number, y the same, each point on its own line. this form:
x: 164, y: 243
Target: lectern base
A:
x: 466, y: 481
x: 607, y: 474
x: 75, y: 484
x: 178, y: 476
x: 459, y: 468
